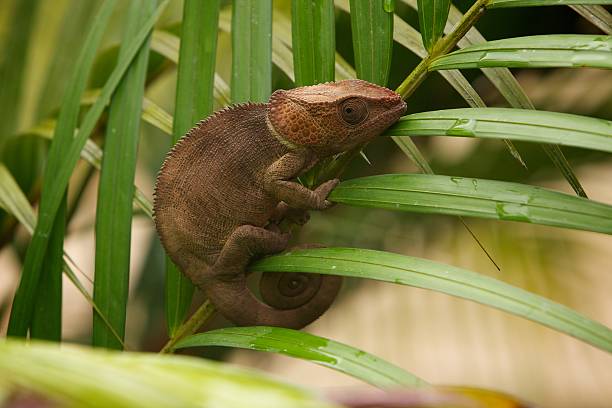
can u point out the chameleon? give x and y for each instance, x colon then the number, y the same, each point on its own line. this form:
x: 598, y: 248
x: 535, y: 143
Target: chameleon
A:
x: 225, y: 185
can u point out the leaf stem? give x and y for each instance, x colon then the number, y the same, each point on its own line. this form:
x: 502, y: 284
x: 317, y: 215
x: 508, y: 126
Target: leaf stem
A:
x: 204, y: 312
x: 442, y: 46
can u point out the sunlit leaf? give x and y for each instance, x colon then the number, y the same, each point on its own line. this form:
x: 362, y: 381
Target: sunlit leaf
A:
x: 79, y: 376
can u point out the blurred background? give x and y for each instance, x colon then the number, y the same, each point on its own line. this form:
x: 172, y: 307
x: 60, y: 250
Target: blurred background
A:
x: 441, y: 339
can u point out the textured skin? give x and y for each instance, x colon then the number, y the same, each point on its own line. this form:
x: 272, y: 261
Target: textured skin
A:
x: 226, y: 183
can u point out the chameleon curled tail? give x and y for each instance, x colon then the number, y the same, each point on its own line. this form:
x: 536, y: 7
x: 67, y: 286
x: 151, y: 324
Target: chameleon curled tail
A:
x: 292, y: 300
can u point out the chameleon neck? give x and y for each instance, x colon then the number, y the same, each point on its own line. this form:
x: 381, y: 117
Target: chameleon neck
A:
x: 278, y: 136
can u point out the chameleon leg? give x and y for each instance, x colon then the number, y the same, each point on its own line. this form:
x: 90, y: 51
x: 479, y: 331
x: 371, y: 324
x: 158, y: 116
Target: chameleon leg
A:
x: 277, y: 182
x: 227, y: 289
x: 243, y: 244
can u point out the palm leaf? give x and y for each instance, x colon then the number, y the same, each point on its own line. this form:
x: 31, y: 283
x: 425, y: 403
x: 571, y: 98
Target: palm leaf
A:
x: 515, y: 124
x: 251, y: 50
x: 372, y: 28
x: 597, y: 15
x: 114, y: 211
x: 422, y: 273
x: 538, y: 51
x: 470, y: 197
x: 313, y: 41
x: 325, y: 352
x: 432, y: 19
x: 79, y: 376
x: 54, y: 189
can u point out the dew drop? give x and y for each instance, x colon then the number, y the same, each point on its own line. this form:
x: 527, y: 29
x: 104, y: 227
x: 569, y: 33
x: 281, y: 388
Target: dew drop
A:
x: 389, y: 6
x: 463, y: 127
x: 513, y: 212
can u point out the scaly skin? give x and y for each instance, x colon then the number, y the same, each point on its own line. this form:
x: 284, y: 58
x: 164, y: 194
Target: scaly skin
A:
x: 225, y: 183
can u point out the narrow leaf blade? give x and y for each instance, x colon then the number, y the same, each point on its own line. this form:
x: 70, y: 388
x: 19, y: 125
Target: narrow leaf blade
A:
x: 251, y: 50
x: 432, y: 19
x: 114, y: 211
x: 470, y: 197
x: 372, y: 28
x: 313, y: 40
x: 47, y: 318
x: 84, y: 377
x: 538, y: 51
x: 423, y: 273
x: 514, y: 124
x: 53, y: 189
x: 318, y: 350
x: 597, y: 15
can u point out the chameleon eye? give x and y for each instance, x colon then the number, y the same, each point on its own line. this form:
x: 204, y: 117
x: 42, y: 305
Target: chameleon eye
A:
x: 353, y: 110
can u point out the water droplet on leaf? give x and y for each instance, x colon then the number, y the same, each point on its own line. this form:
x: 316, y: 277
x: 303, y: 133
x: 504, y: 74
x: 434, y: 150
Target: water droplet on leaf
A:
x: 463, y: 127
x: 513, y: 212
x: 389, y: 6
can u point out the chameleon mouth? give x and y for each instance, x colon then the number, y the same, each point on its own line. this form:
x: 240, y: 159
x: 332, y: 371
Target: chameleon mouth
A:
x: 401, y: 108
x: 395, y: 112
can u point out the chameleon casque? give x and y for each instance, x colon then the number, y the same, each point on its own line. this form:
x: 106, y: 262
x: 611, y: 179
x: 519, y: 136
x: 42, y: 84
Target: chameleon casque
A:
x: 226, y: 184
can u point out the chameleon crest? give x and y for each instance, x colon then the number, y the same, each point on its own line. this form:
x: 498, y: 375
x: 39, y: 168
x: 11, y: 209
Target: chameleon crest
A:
x: 228, y: 182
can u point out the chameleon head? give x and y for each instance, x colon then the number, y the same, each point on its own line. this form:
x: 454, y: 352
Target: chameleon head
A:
x: 333, y: 117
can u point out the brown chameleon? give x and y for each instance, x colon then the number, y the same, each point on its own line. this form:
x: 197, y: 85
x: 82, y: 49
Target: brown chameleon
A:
x: 225, y: 185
